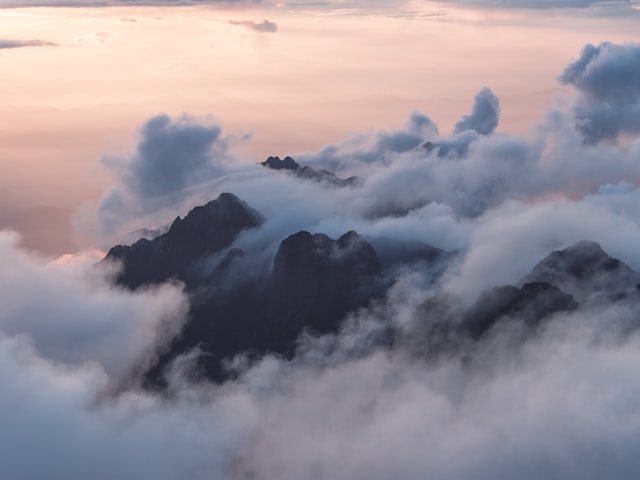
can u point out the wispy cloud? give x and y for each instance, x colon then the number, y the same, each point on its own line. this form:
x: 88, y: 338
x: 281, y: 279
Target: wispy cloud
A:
x: 5, y: 44
x: 598, y: 8
x: 109, y: 3
x: 539, y: 4
x: 261, y: 27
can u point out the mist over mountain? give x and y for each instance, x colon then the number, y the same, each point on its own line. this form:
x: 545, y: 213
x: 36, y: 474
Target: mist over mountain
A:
x: 467, y: 308
x: 315, y: 283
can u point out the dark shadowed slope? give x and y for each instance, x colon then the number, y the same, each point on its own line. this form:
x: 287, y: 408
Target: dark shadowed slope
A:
x: 584, y: 270
x: 204, y: 231
x: 564, y: 281
x: 316, y: 281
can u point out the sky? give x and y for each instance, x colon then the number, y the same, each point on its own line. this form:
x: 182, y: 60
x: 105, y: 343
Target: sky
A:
x: 81, y: 78
x: 120, y: 115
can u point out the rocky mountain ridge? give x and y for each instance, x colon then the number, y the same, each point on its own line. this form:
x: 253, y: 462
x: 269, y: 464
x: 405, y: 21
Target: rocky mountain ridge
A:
x: 321, y: 175
x: 315, y: 282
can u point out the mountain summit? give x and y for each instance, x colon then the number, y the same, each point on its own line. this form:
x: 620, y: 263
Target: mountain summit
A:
x: 321, y: 176
x: 203, y: 231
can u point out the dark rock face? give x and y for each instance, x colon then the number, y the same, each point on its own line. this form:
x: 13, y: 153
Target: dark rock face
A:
x: 276, y: 164
x: 204, y: 231
x: 564, y: 281
x: 532, y: 303
x: 442, y: 322
x: 584, y: 270
x: 316, y: 281
x: 320, y: 176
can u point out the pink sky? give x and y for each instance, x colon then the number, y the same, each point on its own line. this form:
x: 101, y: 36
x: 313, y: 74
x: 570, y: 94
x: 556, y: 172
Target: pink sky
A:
x: 322, y: 76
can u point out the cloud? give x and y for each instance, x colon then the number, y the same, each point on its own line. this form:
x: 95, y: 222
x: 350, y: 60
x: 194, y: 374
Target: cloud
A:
x: 72, y: 314
x: 25, y: 43
x: 607, y: 79
x: 261, y: 27
x: 113, y: 3
x: 172, y: 156
x: 543, y: 4
x: 51, y: 415
x: 499, y: 413
x: 374, y: 147
x: 484, y: 115
x: 98, y: 37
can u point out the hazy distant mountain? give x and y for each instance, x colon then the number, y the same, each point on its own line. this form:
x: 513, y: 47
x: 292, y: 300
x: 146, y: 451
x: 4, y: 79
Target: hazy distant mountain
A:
x: 564, y: 281
x: 584, y: 270
x: 321, y: 175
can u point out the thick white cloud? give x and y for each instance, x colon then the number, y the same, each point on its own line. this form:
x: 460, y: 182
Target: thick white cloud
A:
x: 72, y: 313
x: 553, y: 409
x: 563, y: 405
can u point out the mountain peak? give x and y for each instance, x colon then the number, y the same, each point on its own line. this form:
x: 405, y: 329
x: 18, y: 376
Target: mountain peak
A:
x: 276, y: 164
x: 320, y: 175
x: 205, y: 230
x: 583, y: 269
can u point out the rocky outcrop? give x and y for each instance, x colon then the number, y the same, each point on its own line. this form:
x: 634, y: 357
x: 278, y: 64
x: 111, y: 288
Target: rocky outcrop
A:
x: 321, y: 176
x: 316, y: 281
x: 531, y: 303
x: 584, y: 270
x: 564, y: 281
x: 203, y: 231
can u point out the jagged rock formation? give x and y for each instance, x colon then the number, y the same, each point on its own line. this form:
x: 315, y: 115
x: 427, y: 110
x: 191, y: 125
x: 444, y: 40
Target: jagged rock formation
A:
x: 275, y: 163
x: 531, y: 303
x: 561, y: 282
x: 316, y: 281
x: 321, y: 176
x: 442, y: 322
x: 204, y: 231
x: 584, y: 270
